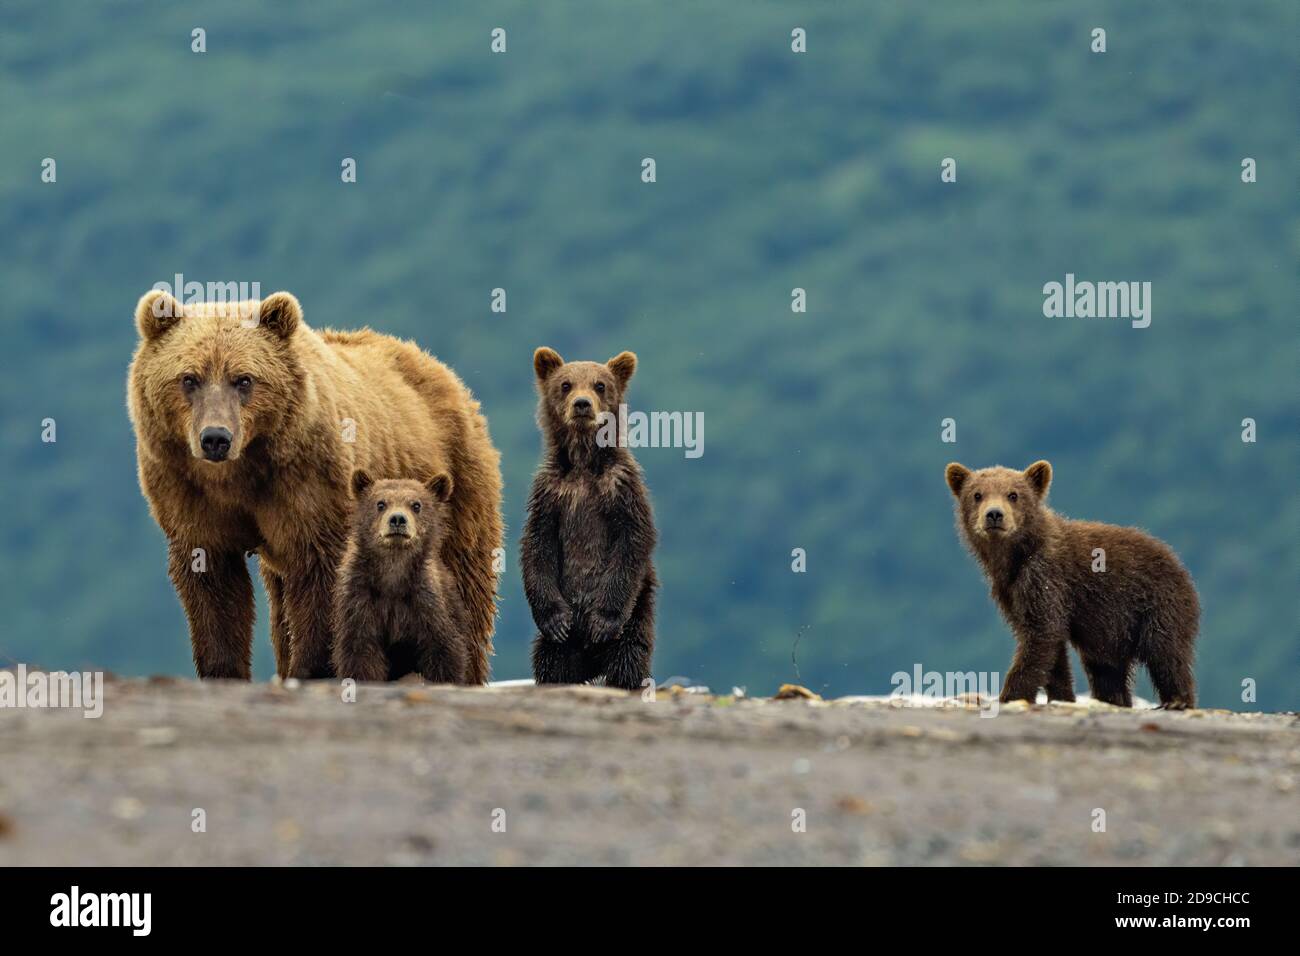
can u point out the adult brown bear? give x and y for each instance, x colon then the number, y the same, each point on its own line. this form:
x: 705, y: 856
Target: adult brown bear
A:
x: 249, y: 425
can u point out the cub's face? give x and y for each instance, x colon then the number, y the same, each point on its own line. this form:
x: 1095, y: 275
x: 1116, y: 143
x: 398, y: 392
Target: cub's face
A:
x: 998, y: 503
x: 575, y: 394
x: 399, y: 514
x: 213, y: 376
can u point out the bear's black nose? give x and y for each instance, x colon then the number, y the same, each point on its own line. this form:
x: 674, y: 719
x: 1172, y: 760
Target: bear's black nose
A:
x: 397, y: 522
x: 582, y: 404
x: 215, y: 442
x: 993, y: 517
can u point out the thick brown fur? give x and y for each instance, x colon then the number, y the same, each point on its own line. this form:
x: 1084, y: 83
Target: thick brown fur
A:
x: 590, y: 533
x: 397, y: 608
x: 277, y: 393
x: 1141, y: 609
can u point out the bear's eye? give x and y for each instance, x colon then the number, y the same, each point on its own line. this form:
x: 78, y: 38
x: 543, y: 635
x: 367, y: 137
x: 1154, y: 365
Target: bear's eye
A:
x: 189, y: 382
x: 600, y: 387
x: 1012, y: 497
x: 565, y: 387
x: 244, y: 383
x: 382, y: 505
x: 978, y: 496
x: 415, y: 506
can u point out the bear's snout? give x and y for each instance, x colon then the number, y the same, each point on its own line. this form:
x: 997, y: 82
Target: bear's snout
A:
x: 993, y: 518
x: 215, y: 442
x: 582, y: 406
x: 398, y: 527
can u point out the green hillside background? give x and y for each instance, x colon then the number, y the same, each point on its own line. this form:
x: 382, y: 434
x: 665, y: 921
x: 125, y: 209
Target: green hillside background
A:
x: 775, y: 171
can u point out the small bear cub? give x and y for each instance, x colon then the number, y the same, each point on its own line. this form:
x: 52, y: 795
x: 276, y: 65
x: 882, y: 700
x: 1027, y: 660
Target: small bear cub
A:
x: 397, y: 608
x: 589, y: 535
x: 1117, y: 594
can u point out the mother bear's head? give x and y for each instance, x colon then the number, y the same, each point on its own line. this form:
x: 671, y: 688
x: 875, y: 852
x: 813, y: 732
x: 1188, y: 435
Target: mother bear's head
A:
x: 213, y: 376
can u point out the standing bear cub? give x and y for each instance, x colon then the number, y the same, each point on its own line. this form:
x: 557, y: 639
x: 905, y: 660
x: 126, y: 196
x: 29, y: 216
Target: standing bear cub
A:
x: 589, y: 536
x: 396, y: 606
x: 1119, y: 595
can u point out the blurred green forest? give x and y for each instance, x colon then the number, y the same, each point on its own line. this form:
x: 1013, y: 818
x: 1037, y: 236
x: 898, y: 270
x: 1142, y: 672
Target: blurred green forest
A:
x: 774, y: 171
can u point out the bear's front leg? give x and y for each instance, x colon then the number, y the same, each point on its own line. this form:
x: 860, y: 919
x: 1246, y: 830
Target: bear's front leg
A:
x: 539, y: 560
x: 360, y: 657
x: 358, y: 650
x: 1036, y: 654
x: 1060, y: 682
x: 442, y: 656
x: 308, y: 601
x: 1110, y: 683
x: 217, y: 593
x: 441, y: 663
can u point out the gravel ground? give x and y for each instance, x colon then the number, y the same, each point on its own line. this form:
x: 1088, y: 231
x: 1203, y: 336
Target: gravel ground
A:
x: 414, y: 774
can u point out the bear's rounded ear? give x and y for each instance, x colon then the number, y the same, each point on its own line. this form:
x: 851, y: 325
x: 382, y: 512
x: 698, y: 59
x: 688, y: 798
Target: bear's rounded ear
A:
x: 280, y: 313
x: 622, y: 365
x: 361, y: 480
x: 1040, y: 476
x: 546, y: 361
x: 440, y: 485
x: 956, y: 475
x: 156, y: 312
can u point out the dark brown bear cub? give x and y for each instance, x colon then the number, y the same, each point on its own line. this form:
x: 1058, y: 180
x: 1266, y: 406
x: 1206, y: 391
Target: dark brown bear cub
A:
x: 1119, y: 595
x: 396, y: 606
x: 590, y: 532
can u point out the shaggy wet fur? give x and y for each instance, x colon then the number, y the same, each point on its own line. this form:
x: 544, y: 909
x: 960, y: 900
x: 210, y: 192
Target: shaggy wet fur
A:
x: 248, y: 427
x: 1141, y: 609
x: 396, y: 606
x: 589, y: 536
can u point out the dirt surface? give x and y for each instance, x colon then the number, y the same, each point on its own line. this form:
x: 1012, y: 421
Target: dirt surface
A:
x: 412, y: 774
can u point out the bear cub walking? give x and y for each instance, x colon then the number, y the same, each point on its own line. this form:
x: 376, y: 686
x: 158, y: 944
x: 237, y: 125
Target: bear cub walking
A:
x: 1048, y: 580
x: 397, y: 608
x: 589, y: 536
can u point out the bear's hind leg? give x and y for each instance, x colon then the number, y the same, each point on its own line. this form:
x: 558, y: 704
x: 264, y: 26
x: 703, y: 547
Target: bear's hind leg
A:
x: 279, y: 621
x: 1109, y: 683
x: 626, y: 661
x: 626, y: 664
x: 1165, y: 642
x: 560, y: 662
x: 1174, y: 683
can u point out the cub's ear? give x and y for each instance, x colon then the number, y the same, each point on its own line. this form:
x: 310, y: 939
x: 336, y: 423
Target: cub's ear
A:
x: 361, y: 480
x: 956, y: 475
x: 280, y: 313
x: 622, y: 365
x: 156, y: 312
x: 440, y: 486
x: 546, y: 361
x: 1040, y: 476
